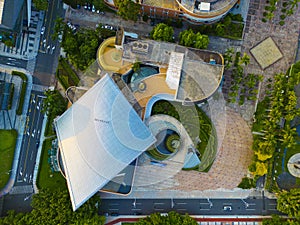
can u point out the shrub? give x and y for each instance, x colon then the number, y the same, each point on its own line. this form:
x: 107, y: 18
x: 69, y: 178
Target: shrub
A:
x: 247, y: 183
x: 281, y: 23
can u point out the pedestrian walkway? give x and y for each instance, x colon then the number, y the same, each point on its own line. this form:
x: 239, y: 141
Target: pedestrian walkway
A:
x: 19, y: 125
x: 286, y: 38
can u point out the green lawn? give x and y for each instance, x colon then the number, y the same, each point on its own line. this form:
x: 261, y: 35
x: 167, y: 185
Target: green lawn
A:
x: 7, y: 149
x: 46, y: 178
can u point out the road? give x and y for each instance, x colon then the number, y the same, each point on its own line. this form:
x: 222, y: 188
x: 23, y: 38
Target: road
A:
x: 55, y: 9
x: 47, y: 58
x: 31, y: 140
x: 258, y: 206
x: 13, y: 62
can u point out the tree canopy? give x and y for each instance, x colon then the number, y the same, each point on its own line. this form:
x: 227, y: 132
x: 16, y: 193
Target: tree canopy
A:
x: 172, y: 218
x: 128, y: 9
x: 162, y: 32
x: 55, y: 208
x: 288, y: 202
x: 81, y: 47
x: 190, y: 39
x: 54, y: 103
x: 40, y: 4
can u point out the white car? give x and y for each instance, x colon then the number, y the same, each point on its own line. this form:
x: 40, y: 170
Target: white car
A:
x: 42, y: 30
x: 227, y: 208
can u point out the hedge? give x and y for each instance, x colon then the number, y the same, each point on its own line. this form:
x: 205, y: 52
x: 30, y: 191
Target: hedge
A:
x: 23, y: 90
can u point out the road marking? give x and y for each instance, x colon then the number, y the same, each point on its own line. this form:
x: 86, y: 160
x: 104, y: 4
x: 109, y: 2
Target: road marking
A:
x: 136, y: 209
x: 180, y: 203
x: 114, y: 204
x: 28, y: 144
x: 205, y: 209
x: 114, y: 209
x: 250, y: 209
x: 158, y: 203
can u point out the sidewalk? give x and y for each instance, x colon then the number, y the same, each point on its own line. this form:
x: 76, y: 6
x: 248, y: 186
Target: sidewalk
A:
x: 19, y: 125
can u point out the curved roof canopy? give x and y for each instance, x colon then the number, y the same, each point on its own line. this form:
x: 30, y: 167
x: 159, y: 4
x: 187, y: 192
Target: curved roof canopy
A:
x: 98, y: 137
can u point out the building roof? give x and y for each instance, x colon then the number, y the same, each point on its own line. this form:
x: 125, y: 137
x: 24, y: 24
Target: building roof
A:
x: 189, y: 70
x: 98, y: 137
x: 9, y: 13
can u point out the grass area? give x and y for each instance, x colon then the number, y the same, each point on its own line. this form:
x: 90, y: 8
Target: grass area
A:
x: 23, y: 90
x: 46, y: 178
x: 198, y: 126
x: 65, y: 74
x: 7, y: 149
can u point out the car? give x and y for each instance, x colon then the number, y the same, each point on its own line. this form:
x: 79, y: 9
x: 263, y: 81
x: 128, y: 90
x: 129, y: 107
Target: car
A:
x: 227, y: 208
x: 101, y: 13
x: 93, y: 8
x: 98, y: 11
x: 42, y: 30
x: 85, y: 7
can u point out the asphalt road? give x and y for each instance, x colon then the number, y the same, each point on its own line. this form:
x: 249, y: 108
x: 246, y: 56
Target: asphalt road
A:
x: 258, y: 206
x: 47, y: 58
x: 13, y: 62
x: 31, y: 140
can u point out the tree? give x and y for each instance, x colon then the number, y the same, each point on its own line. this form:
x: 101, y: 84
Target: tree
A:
x: 55, y: 208
x: 201, y: 41
x: 53, y: 104
x: 162, y: 32
x: 128, y: 9
x: 40, y: 4
x: 275, y: 220
x: 171, y: 218
x: 187, y: 38
x: 228, y: 57
x: 288, y: 202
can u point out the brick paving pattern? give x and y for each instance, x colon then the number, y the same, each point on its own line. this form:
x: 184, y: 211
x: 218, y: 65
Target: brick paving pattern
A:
x: 285, y: 37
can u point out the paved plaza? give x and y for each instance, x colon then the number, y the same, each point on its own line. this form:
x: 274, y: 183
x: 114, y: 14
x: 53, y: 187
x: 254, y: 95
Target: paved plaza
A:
x: 285, y: 37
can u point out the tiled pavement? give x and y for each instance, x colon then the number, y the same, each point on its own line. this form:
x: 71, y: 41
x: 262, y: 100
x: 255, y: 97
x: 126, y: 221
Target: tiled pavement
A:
x: 285, y: 37
x: 226, y: 173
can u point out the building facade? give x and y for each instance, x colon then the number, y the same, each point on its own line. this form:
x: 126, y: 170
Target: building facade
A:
x: 192, y: 11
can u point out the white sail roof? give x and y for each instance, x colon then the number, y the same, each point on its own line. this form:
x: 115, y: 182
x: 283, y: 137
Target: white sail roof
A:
x: 98, y: 137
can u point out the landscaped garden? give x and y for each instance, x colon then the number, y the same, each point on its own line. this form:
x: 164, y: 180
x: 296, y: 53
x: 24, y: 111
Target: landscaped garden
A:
x: 275, y: 137
x: 65, y: 74
x: 48, y: 179
x: 198, y: 126
x: 7, y: 149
